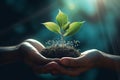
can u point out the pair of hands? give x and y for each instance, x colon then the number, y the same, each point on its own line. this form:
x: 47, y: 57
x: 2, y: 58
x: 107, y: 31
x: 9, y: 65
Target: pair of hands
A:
x: 30, y: 50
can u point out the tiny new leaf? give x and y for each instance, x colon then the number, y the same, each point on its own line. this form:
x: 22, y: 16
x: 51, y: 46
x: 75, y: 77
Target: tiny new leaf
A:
x: 66, y: 26
x: 52, y: 27
x: 61, y: 18
x: 73, y: 28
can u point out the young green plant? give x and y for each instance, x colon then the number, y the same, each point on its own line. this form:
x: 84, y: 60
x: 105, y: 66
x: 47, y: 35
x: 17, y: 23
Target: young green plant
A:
x: 63, y: 27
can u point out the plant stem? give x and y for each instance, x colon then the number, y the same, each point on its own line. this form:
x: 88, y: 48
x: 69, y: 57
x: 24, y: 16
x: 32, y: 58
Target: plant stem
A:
x: 62, y: 40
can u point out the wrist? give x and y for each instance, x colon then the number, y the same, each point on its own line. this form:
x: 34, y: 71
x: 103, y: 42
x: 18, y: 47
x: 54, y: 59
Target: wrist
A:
x: 9, y: 55
x: 109, y: 61
x: 18, y: 53
x: 105, y: 60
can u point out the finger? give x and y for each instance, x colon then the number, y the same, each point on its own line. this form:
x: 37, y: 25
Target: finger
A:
x: 32, y: 53
x: 39, y: 46
x: 42, y: 69
x: 37, y: 68
x: 55, y: 69
x: 54, y: 60
x: 45, y: 68
x: 70, y: 71
x: 70, y: 62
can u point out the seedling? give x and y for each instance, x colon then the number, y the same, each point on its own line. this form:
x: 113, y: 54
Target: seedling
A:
x: 63, y: 27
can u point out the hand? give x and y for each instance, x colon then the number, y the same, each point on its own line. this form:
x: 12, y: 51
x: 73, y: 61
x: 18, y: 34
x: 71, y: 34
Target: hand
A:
x: 31, y: 56
x: 76, y: 66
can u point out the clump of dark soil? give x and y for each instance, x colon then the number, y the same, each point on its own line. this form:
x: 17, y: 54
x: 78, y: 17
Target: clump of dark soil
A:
x: 59, y: 52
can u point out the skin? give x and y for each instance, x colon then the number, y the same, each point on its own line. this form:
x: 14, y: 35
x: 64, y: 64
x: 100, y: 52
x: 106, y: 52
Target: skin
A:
x: 89, y: 59
x: 28, y: 52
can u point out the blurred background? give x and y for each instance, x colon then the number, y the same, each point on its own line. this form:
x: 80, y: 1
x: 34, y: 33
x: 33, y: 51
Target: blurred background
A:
x: 21, y: 19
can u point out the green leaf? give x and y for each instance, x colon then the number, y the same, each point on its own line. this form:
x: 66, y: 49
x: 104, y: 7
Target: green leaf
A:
x: 73, y: 28
x: 52, y: 27
x: 61, y: 18
x: 66, y: 26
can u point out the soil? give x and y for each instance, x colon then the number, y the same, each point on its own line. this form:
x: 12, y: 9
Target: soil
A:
x: 59, y: 52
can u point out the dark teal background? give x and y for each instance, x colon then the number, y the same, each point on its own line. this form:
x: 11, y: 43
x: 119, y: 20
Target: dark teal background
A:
x: 21, y: 19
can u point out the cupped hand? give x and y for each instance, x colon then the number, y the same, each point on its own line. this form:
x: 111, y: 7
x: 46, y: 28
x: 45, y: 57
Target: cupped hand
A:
x: 75, y: 66
x: 31, y: 49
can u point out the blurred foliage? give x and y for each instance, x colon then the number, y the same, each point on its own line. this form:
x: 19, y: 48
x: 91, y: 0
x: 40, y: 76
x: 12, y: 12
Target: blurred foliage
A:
x: 21, y: 19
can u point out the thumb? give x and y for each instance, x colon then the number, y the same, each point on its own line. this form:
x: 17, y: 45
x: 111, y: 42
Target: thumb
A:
x: 70, y: 62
